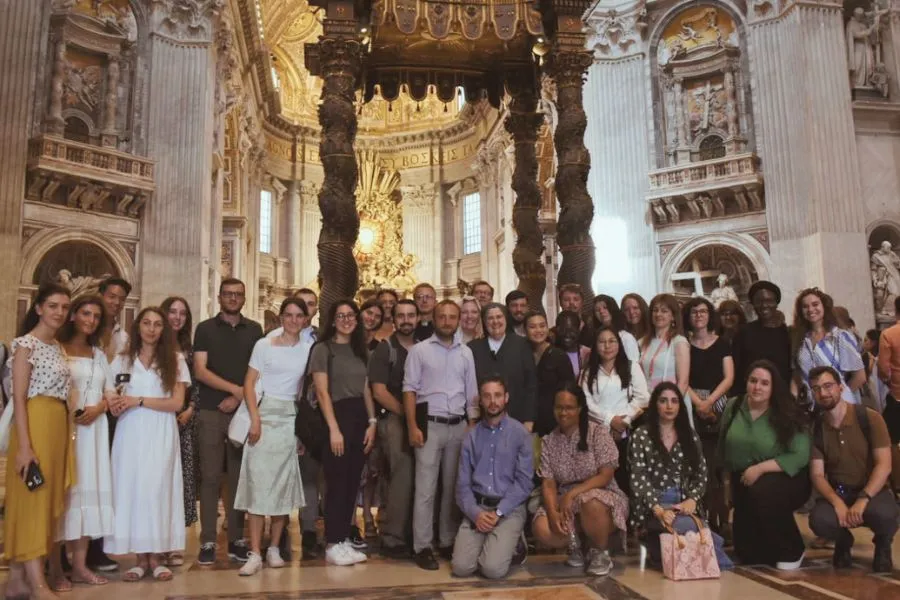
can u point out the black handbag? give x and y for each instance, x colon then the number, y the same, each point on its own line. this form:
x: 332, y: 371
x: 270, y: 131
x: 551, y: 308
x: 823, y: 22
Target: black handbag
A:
x: 309, y: 424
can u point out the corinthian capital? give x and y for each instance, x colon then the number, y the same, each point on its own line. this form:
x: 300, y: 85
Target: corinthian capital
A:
x: 190, y: 21
x: 616, y: 32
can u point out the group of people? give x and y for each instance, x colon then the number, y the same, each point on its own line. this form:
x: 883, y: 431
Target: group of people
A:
x: 473, y: 422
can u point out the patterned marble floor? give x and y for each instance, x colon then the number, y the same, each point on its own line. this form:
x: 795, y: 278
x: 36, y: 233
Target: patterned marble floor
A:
x: 543, y: 577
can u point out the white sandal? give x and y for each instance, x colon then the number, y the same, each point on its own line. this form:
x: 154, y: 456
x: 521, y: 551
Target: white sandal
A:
x: 134, y: 574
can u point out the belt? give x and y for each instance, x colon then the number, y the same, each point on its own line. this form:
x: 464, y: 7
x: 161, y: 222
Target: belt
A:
x: 487, y: 501
x: 447, y: 420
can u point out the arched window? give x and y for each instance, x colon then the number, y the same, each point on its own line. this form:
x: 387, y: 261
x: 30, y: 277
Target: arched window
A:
x: 712, y: 147
x: 77, y: 130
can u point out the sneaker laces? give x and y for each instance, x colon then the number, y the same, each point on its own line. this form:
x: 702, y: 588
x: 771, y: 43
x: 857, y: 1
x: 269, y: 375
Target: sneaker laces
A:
x: 208, y: 546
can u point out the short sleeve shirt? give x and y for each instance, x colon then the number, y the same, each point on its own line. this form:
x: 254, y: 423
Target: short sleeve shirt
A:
x: 381, y: 370
x: 280, y: 368
x: 838, y: 350
x: 228, y: 349
x: 846, y: 448
x: 49, y: 369
x: 144, y: 381
x: 348, y: 371
x: 706, y: 365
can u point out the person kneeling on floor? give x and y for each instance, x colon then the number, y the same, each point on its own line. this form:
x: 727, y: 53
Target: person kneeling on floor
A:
x: 851, y: 464
x: 492, y: 486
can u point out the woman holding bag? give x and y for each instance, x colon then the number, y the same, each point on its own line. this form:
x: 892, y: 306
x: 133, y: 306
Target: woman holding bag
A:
x: 270, y: 485
x: 668, y: 474
x: 39, y: 443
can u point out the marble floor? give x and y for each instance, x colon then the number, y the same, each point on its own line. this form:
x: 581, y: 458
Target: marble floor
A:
x: 543, y: 577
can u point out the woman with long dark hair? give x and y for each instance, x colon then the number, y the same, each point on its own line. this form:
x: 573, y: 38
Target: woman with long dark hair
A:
x: 148, y: 496
x: 580, y: 494
x: 178, y: 314
x: 731, y: 318
x: 820, y: 342
x: 607, y: 313
x: 89, y: 511
x: 765, y: 446
x: 637, y: 315
x: 338, y: 366
x: 552, y: 368
x: 668, y: 473
x: 39, y: 442
x: 616, y: 392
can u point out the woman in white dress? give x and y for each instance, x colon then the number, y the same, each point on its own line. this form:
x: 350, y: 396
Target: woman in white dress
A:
x: 151, y: 377
x: 89, y: 511
x: 270, y: 484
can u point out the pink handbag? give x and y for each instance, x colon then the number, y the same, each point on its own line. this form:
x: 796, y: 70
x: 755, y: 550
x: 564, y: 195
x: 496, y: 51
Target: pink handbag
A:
x: 689, y: 556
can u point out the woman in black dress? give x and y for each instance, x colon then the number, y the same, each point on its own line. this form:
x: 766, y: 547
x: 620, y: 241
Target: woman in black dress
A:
x: 553, y: 370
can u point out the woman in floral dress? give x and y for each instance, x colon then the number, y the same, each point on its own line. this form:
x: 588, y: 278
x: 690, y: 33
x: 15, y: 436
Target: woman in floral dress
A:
x: 578, y: 460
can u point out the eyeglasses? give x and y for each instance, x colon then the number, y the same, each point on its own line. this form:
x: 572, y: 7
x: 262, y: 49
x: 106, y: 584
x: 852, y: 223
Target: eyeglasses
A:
x: 345, y: 317
x: 825, y: 387
x: 699, y: 311
x: 232, y: 294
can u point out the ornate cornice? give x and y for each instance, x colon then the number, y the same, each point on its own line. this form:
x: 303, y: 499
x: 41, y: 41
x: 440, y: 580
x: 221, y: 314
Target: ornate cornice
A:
x: 185, y: 21
x: 617, y: 32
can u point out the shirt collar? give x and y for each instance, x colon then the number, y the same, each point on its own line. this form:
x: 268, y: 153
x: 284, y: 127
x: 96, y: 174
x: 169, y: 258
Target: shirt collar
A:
x: 434, y: 339
x: 500, y: 426
x: 849, y: 419
x: 241, y: 323
x: 495, y: 345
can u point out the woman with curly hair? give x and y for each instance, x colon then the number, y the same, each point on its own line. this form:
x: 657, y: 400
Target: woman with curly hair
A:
x: 765, y: 446
x: 820, y: 342
x: 732, y: 318
x: 151, y: 377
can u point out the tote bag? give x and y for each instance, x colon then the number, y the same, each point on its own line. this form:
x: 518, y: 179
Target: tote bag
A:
x: 689, y: 556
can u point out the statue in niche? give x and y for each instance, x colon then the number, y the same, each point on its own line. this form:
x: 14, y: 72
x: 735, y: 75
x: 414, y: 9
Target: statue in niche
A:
x: 82, y: 285
x: 864, y: 52
x: 708, y: 108
x: 722, y: 291
x: 885, y: 271
x: 82, y: 86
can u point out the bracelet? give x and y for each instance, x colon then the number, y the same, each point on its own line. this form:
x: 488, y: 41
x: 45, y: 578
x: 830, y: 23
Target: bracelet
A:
x: 141, y: 401
x: 373, y: 421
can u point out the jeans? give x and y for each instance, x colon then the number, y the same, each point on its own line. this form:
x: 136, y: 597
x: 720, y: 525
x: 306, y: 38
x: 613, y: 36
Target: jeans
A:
x: 682, y: 525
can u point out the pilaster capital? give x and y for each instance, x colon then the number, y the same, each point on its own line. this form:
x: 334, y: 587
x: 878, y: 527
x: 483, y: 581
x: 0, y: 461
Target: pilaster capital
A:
x: 419, y: 197
x: 185, y: 21
x: 618, y: 31
x: 309, y: 193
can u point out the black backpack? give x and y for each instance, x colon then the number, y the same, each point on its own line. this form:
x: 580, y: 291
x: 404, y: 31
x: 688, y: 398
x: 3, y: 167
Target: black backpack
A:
x: 309, y: 424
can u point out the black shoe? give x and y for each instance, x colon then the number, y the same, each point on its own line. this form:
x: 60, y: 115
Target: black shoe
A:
x: 284, y: 545
x: 207, y: 554
x: 310, y: 546
x: 357, y: 540
x: 426, y: 560
x: 521, y: 553
x: 446, y: 552
x: 882, y: 562
x: 400, y: 552
x: 64, y: 559
x: 238, y: 551
x: 842, y: 557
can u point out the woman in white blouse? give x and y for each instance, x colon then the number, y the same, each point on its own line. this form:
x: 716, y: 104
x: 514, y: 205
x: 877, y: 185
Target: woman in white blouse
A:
x: 608, y: 313
x: 616, y: 391
x: 151, y: 377
x: 665, y: 352
x: 89, y: 513
x: 270, y: 484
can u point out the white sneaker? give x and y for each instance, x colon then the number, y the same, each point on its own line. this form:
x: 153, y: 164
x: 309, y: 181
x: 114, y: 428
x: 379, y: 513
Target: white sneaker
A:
x: 252, y: 566
x: 337, y: 555
x: 353, y: 553
x: 790, y: 566
x: 273, y: 557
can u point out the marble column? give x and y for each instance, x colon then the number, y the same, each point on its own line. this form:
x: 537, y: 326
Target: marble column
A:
x: 418, y: 229
x: 523, y: 123
x: 806, y: 140
x: 294, y: 229
x: 617, y: 107
x: 176, y: 230
x: 54, y: 121
x: 21, y: 24
x: 311, y: 225
x: 567, y: 64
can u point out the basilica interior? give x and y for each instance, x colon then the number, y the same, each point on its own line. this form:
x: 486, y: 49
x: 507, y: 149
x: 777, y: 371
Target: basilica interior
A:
x: 688, y: 146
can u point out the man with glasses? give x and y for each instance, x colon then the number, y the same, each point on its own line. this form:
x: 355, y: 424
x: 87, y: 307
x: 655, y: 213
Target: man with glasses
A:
x: 850, y: 468
x: 222, y: 349
x: 425, y: 296
x: 483, y: 292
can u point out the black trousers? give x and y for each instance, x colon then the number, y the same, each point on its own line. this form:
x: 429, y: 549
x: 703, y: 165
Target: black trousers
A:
x: 880, y: 516
x: 765, y: 531
x: 342, y: 473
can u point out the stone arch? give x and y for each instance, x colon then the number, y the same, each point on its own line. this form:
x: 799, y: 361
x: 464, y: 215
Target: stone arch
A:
x: 41, y: 243
x: 744, y: 244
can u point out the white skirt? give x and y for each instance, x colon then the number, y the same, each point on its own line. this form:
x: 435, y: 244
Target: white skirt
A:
x: 89, y: 503
x: 148, y: 496
x: 270, y: 482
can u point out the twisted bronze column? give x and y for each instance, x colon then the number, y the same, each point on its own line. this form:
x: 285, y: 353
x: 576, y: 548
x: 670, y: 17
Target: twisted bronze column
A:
x: 523, y: 123
x: 568, y: 64
x: 340, y: 61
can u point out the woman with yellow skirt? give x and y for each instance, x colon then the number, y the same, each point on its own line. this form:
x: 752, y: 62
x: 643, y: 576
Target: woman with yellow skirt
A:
x: 39, y: 442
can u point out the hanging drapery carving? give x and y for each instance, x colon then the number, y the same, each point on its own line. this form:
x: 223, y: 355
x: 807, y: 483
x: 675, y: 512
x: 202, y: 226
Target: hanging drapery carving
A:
x: 568, y: 64
x: 503, y: 18
x: 340, y: 62
x: 523, y: 123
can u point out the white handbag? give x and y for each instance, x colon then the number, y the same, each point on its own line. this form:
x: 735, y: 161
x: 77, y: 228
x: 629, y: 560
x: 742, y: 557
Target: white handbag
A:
x: 239, y: 428
x: 6, y: 423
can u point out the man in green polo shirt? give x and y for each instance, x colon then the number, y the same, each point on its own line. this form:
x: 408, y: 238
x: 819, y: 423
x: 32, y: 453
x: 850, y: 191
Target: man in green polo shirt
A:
x: 851, y: 464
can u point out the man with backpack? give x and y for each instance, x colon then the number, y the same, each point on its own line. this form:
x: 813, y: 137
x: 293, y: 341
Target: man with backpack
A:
x: 386, y: 371
x: 850, y: 468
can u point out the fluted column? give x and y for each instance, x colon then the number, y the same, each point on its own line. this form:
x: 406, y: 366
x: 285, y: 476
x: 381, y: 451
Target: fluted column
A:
x: 176, y: 228
x: 807, y: 143
x: 523, y: 123
x: 20, y: 47
x: 567, y: 64
x: 418, y: 229
x: 294, y: 229
x: 616, y: 104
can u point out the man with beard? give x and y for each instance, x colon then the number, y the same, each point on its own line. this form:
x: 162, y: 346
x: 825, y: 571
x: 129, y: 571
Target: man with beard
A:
x: 222, y: 349
x: 766, y: 338
x: 439, y: 393
x: 517, y: 306
x: 492, y: 486
x: 386, y: 371
x: 850, y: 468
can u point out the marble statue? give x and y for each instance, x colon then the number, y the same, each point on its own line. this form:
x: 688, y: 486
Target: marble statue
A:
x: 79, y: 285
x: 722, y: 292
x: 864, y: 47
x: 885, y: 270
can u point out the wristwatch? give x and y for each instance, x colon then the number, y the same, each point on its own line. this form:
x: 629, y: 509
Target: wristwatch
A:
x: 499, y: 512
x: 865, y: 495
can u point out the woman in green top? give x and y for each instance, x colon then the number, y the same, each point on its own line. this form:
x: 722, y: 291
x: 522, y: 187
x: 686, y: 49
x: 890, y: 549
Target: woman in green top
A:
x: 765, y: 446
